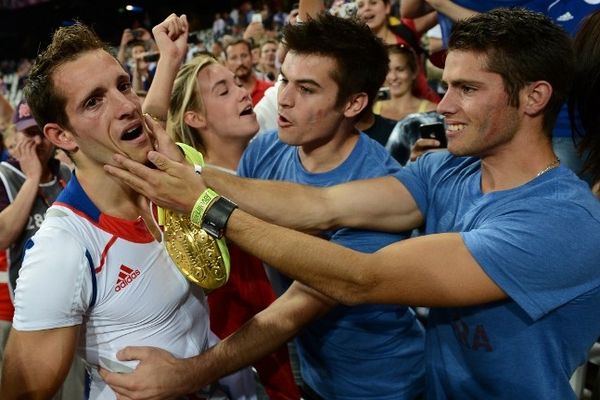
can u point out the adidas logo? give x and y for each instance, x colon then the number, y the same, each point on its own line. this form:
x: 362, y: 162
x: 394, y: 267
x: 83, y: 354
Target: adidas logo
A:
x: 126, y: 276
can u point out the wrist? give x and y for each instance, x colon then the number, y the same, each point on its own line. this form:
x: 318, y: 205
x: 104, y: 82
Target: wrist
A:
x: 201, y: 206
x: 217, y: 215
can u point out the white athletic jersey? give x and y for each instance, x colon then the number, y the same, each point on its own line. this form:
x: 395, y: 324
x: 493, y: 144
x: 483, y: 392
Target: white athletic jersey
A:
x: 109, y: 275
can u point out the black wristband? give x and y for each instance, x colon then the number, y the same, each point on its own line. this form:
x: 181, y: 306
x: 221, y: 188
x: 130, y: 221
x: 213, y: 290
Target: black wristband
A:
x: 216, y: 217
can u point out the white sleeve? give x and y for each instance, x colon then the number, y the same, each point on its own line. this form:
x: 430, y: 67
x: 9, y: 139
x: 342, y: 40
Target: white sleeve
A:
x: 266, y: 109
x: 55, y: 285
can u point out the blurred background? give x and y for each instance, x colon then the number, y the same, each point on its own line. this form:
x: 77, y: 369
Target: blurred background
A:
x: 26, y: 25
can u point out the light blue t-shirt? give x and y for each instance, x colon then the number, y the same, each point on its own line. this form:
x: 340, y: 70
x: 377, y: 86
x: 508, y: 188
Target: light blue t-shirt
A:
x: 539, y: 243
x: 360, y: 352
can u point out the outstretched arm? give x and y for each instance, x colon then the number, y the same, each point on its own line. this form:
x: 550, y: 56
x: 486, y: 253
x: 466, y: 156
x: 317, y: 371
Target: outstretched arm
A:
x: 380, y: 203
x: 413, y: 271
x: 160, y: 375
x: 37, y: 362
x: 309, y: 8
x: 347, y: 276
x: 171, y: 38
x: 414, y: 8
x: 451, y: 9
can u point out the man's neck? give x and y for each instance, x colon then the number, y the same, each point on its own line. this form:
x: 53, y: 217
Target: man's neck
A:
x: 517, y: 163
x: 110, y: 195
x: 225, y: 153
x: 331, y: 153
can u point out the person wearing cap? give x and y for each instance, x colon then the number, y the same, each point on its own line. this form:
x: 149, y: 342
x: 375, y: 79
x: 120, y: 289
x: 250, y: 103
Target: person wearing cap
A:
x: 29, y: 184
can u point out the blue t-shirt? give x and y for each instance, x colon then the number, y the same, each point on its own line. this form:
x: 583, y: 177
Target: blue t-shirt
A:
x: 487, y: 5
x: 539, y: 243
x: 360, y: 352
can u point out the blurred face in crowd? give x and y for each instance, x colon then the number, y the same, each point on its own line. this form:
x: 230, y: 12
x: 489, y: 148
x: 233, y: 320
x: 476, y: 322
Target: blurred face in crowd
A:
x: 136, y: 52
x: 104, y: 113
x: 293, y: 16
x: 239, y: 60
x: 255, y: 55
x: 227, y: 106
x: 479, y: 119
x: 400, y: 76
x: 217, y: 50
x: 373, y: 12
x: 268, y: 52
x: 308, y: 115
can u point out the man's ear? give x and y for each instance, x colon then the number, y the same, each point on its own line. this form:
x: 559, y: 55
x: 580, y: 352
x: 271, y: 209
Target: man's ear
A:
x: 536, y: 97
x: 194, y: 119
x: 356, y: 104
x: 60, y: 137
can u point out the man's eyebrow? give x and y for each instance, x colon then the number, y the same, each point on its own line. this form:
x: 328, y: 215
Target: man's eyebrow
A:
x: 305, y: 81
x: 461, y: 82
x: 97, y: 91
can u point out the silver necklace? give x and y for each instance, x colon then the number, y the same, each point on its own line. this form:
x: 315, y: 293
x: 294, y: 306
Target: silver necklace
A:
x: 550, y: 166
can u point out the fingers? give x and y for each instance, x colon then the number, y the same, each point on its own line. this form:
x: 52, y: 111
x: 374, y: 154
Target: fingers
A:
x: 162, y: 141
x: 427, y: 143
x: 173, y: 26
x: 132, y: 353
x: 26, y: 148
x: 120, y: 383
x: 139, y: 177
x: 161, y: 161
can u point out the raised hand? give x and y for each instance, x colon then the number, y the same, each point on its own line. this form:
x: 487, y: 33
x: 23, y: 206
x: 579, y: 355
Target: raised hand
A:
x: 171, y: 37
x: 26, y: 154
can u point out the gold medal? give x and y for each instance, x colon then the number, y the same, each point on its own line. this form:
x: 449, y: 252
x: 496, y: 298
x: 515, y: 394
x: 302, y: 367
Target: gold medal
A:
x: 201, y: 258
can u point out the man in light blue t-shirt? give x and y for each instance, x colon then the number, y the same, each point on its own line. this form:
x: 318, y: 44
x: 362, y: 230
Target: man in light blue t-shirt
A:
x: 368, y: 351
x: 509, y: 264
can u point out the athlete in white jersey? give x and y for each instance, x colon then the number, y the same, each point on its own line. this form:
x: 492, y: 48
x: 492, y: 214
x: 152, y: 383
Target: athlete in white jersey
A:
x: 112, y: 277
x: 96, y: 277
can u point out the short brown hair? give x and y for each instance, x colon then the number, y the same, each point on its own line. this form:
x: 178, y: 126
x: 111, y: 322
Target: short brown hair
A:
x: 68, y: 43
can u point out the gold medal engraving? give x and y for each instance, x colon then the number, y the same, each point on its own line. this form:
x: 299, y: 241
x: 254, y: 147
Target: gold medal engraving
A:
x: 199, y: 256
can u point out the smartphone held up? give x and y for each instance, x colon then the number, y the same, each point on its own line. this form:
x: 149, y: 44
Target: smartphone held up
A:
x: 435, y: 130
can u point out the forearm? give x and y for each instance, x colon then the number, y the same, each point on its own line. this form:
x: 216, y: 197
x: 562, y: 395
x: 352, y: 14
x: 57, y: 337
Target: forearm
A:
x: 36, y: 363
x: 310, y: 8
x: 159, y: 94
x: 14, y: 218
x: 288, y: 204
x: 262, y: 335
x: 379, y: 204
x: 452, y: 10
x: 410, y: 272
x: 308, y: 259
x: 414, y: 8
x: 122, y: 54
x: 425, y: 23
